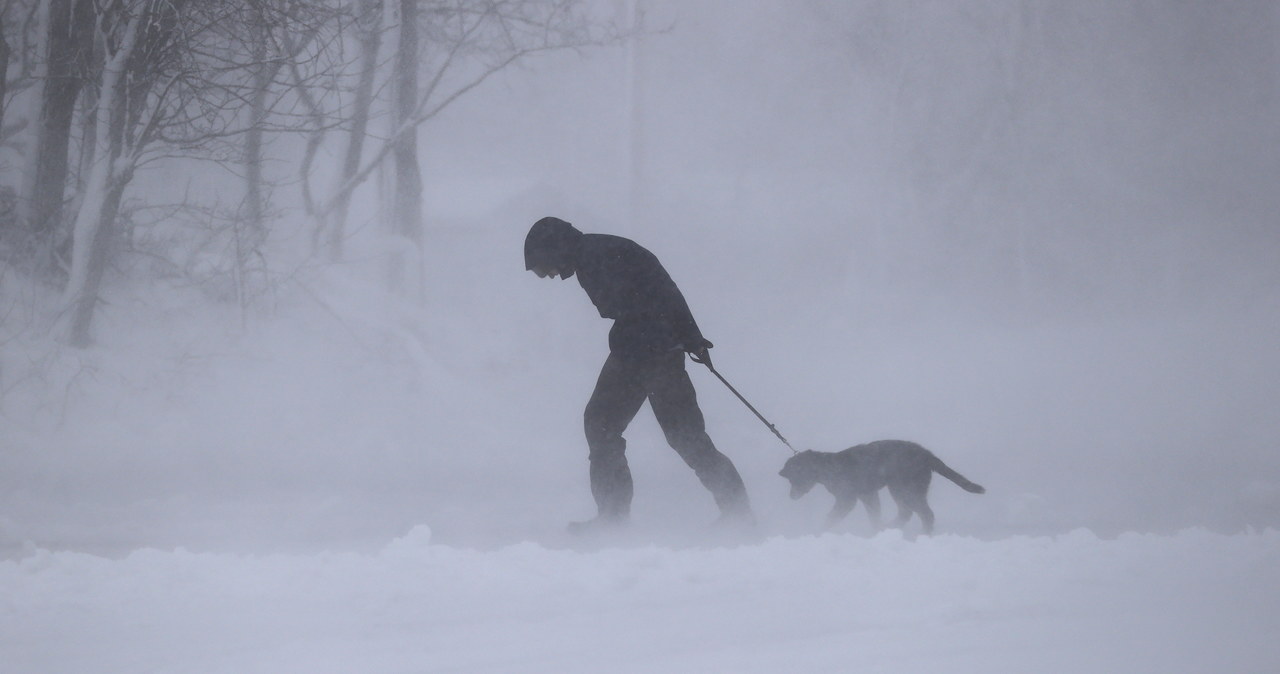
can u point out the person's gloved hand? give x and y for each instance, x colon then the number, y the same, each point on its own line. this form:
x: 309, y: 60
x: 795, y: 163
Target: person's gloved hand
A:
x: 699, y: 353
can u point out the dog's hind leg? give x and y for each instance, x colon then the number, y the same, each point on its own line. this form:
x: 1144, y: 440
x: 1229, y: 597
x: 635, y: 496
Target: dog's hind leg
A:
x: 921, y: 505
x: 913, y: 498
x: 902, y: 497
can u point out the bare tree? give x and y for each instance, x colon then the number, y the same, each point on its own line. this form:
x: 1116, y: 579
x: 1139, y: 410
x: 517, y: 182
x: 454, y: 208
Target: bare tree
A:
x: 174, y: 80
x: 445, y: 49
x: 368, y: 30
x: 180, y: 80
x: 278, y: 36
x: 133, y: 37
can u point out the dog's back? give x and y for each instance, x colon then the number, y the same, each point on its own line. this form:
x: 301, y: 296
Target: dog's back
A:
x: 878, y: 464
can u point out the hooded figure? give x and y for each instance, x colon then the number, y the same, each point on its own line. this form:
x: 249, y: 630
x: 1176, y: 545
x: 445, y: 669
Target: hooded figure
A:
x: 652, y: 330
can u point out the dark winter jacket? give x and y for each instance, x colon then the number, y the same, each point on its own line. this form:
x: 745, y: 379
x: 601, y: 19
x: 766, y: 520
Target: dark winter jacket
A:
x: 625, y: 282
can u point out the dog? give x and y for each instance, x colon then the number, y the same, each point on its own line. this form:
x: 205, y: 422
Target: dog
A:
x: 858, y: 473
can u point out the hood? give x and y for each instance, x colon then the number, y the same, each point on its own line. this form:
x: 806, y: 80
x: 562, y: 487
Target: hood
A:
x: 552, y: 242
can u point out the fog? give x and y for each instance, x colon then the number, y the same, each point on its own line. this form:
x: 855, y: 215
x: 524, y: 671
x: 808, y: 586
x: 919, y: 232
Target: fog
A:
x: 1039, y: 240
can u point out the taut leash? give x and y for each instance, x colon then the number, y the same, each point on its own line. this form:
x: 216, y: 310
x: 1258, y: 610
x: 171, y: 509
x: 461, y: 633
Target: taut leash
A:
x: 749, y: 405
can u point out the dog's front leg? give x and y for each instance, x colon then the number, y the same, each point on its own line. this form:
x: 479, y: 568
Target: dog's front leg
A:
x: 872, y: 502
x: 842, y: 508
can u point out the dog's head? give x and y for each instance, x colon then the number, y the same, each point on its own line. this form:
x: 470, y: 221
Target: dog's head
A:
x: 803, y: 471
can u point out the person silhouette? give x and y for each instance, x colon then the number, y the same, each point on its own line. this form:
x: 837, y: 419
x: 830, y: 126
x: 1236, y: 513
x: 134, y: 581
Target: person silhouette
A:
x: 652, y: 331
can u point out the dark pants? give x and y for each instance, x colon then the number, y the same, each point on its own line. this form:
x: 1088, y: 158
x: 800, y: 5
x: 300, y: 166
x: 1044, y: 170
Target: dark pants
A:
x: 625, y: 383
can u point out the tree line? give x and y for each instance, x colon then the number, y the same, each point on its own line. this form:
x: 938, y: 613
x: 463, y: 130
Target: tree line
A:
x: 94, y: 90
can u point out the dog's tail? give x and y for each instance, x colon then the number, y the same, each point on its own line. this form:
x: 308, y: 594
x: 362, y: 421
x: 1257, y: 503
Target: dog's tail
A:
x: 945, y: 471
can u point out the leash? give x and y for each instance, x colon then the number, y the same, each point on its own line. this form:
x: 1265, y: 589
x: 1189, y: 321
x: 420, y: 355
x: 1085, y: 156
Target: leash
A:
x: 759, y: 416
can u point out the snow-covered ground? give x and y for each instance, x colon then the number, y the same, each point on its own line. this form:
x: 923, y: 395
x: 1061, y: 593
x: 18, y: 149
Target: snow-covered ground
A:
x: 1191, y: 602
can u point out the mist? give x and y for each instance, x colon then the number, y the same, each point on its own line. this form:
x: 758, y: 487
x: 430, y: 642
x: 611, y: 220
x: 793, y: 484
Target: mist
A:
x: 1039, y: 240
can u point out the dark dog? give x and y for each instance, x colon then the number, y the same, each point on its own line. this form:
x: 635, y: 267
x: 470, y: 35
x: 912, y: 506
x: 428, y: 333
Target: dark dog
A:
x: 858, y: 473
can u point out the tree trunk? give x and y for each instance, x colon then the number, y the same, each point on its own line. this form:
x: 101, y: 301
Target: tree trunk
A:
x: 406, y: 261
x: 5, y: 52
x: 253, y: 140
x: 67, y: 32
x: 110, y: 172
x: 370, y: 45
x: 251, y: 228
x: 102, y: 221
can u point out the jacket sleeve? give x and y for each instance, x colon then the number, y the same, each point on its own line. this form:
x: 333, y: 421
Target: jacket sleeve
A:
x: 685, y: 328
x: 661, y: 299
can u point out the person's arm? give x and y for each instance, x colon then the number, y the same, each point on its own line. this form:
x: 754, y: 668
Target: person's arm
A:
x: 662, y: 298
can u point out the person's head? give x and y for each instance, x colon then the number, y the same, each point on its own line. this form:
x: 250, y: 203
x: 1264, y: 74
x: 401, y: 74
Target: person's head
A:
x: 550, y: 247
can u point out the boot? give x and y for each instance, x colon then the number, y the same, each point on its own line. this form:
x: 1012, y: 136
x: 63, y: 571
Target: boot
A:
x: 598, y: 525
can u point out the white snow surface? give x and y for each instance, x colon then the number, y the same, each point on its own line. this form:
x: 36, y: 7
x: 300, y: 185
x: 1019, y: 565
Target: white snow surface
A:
x: 1190, y: 602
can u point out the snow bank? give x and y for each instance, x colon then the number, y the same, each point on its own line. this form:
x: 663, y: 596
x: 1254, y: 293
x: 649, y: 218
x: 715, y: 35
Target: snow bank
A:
x: 1192, y: 602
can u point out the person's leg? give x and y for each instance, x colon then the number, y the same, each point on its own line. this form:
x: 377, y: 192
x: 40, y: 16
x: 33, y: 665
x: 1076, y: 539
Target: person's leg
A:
x: 617, y: 397
x: 675, y: 404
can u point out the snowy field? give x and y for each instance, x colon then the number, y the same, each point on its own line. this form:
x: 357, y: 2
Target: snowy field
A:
x: 1192, y: 602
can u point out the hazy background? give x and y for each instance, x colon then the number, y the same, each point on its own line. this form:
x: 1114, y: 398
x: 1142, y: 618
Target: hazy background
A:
x: 1039, y: 238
